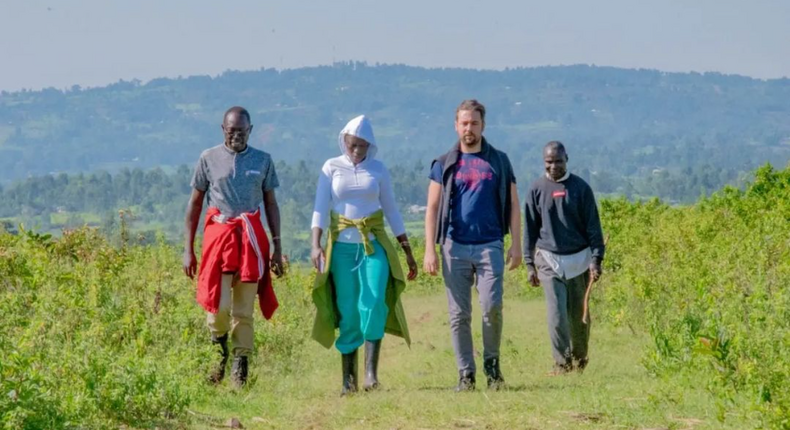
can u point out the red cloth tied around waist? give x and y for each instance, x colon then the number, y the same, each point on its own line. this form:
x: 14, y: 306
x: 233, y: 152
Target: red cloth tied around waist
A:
x: 237, y: 245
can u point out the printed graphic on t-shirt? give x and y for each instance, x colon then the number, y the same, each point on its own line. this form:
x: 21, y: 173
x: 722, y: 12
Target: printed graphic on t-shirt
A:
x: 474, y: 204
x: 472, y: 172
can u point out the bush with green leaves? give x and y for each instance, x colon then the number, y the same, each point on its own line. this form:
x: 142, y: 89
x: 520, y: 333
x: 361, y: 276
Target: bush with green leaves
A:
x: 710, y: 284
x: 95, y: 336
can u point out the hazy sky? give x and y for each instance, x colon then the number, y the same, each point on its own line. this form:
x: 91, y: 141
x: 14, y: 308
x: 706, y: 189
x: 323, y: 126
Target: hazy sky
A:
x: 95, y: 42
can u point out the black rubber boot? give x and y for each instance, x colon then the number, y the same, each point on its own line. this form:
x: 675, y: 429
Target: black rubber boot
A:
x: 493, y: 375
x: 466, y: 381
x: 349, y: 373
x: 239, y: 371
x: 372, y: 351
x: 218, y: 374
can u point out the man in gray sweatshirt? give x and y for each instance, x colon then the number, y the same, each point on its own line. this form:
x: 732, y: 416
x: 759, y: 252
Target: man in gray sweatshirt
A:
x: 563, y: 248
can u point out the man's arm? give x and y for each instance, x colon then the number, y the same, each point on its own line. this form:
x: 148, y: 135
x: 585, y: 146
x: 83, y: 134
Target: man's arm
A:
x: 431, y: 261
x: 594, y: 234
x: 532, y: 225
x: 514, y: 253
x: 272, y: 210
x: 194, y: 208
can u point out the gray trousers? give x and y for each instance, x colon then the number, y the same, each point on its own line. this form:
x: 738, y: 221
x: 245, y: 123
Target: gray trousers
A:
x: 462, y: 267
x: 565, y: 309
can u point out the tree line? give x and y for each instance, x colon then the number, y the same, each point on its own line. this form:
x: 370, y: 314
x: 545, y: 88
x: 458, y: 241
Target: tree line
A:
x: 156, y: 198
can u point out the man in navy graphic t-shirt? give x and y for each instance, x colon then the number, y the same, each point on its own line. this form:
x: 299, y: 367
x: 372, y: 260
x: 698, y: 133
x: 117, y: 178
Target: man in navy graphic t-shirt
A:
x: 472, y: 204
x: 474, y: 213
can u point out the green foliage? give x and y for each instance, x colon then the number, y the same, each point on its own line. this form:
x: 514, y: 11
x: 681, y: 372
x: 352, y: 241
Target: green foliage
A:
x: 709, y: 282
x: 154, y: 200
x: 92, y: 335
x: 99, y: 335
x: 95, y: 336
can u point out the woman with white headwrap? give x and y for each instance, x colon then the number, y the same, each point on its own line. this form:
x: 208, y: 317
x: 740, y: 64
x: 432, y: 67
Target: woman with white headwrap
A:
x: 359, y: 281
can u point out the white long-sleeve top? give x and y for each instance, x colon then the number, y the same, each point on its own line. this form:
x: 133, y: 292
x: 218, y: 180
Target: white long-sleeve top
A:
x: 355, y: 192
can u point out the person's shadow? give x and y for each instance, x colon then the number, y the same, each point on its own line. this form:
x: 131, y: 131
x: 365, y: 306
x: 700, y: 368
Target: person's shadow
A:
x: 507, y: 387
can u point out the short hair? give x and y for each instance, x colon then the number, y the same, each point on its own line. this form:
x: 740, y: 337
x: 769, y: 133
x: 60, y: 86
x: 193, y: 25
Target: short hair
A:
x: 472, y: 105
x: 555, y: 145
x: 238, y: 110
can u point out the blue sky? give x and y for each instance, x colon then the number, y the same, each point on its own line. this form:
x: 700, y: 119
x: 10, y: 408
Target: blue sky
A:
x: 60, y: 43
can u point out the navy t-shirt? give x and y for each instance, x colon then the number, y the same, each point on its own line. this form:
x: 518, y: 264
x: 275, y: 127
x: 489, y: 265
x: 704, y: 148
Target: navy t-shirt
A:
x: 474, y: 206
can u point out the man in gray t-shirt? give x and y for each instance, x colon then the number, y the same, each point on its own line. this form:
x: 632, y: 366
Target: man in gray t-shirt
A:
x: 235, y: 182
x: 235, y: 179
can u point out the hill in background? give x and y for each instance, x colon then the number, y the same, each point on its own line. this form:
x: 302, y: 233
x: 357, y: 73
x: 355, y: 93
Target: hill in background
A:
x: 619, y: 122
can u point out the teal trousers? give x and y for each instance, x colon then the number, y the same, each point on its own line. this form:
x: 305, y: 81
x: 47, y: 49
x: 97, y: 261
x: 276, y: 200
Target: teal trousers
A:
x: 360, y: 286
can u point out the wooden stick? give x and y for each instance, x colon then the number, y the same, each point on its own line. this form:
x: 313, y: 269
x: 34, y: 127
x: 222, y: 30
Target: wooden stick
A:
x: 586, y: 314
x: 587, y: 300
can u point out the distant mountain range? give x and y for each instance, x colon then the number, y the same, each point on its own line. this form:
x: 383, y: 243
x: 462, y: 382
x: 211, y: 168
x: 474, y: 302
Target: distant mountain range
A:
x: 619, y: 121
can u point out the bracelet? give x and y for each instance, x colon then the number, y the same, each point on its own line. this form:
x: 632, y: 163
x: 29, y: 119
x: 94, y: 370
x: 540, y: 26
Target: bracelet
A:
x: 275, y: 237
x: 405, y: 244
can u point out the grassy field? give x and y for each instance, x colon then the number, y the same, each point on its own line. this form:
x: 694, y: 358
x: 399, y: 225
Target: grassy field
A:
x: 690, y: 332
x: 96, y: 337
x: 615, y: 391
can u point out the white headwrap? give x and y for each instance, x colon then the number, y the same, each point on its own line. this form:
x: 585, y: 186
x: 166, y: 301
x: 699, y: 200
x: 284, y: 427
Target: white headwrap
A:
x: 361, y: 128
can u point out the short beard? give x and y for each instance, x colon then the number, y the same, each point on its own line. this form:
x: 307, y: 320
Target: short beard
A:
x: 474, y: 141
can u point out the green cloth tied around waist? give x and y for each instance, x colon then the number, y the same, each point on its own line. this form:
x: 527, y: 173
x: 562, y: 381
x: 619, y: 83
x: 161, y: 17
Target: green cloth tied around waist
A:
x: 327, y: 316
x: 365, y: 226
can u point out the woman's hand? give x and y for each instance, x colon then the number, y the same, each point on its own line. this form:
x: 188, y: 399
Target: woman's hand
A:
x: 318, y: 258
x: 412, y: 266
x: 406, y: 247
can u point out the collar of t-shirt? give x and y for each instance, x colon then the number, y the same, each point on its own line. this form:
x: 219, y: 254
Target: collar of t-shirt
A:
x: 566, y: 176
x: 232, y: 152
x: 347, y: 160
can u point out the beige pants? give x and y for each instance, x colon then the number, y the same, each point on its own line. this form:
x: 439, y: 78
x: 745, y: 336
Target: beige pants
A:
x: 236, y: 308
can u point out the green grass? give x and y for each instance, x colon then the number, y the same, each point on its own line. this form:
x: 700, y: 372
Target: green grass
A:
x: 688, y: 334
x: 615, y: 391
x: 95, y: 336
